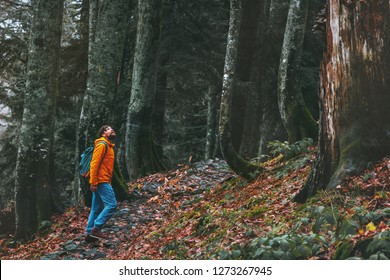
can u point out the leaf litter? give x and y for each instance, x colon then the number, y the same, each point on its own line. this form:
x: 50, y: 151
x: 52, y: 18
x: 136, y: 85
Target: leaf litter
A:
x: 200, y: 210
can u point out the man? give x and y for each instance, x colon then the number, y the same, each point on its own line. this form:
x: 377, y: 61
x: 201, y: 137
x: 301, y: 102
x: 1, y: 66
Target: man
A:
x: 103, y: 196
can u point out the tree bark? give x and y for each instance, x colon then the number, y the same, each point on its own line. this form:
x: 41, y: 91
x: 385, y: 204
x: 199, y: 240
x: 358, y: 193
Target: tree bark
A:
x: 211, y: 136
x: 250, y: 120
x: 139, y: 152
x: 296, y: 117
x: 237, y: 163
x: 108, y: 20
x: 162, y: 81
x: 266, y: 73
x: 124, y: 81
x: 76, y: 194
x: 355, y: 93
x: 158, y: 117
x: 35, y: 167
x: 107, y: 25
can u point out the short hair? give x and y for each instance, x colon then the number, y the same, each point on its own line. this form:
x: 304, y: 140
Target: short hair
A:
x: 102, y: 130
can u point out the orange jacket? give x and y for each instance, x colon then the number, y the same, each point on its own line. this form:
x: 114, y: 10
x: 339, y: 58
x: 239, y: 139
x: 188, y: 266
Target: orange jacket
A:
x: 102, y: 165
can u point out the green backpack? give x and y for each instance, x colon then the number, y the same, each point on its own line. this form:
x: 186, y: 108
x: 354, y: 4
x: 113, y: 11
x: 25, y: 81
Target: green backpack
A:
x: 86, y: 157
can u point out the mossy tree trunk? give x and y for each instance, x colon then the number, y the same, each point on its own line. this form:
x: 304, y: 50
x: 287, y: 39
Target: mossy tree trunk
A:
x: 296, y: 117
x: 108, y: 21
x: 124, y: 88
x: 237, y: 163
x: 34, y: 181
x: 162, y: 81
x: 244, y: 84
x: 355, y: 93
x: 107, y: 32
x: 266, y: 70
x: 139, y: 144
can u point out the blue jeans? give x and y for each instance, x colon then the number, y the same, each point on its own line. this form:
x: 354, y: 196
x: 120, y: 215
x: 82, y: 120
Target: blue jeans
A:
x: 103, y: 206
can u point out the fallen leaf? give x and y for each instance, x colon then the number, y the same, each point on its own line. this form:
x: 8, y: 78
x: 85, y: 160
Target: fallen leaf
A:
x: 370, y: 227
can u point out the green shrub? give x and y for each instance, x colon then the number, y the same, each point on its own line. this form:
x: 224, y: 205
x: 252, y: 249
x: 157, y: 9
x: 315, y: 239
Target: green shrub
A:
x: 285, y: 247
x: 289, y: 150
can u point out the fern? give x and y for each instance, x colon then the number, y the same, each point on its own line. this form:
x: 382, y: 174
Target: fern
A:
x: 289, y: 150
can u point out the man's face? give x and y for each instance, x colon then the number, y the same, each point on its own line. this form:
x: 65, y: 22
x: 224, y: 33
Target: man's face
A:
x: 109, y: 133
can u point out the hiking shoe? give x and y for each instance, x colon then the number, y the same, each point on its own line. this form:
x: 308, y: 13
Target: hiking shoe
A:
x: 97, y: 233
x: 90, y: 239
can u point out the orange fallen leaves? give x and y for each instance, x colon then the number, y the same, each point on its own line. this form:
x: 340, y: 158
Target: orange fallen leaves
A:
x: 197, y: 223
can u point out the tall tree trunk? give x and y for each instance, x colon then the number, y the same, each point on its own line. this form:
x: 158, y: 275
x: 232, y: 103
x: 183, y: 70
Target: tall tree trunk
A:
x: 76, y: 194
x: 211, y: 136
x: 158, y: 118
x: 108, y: 20
x: 295, y: 115
x: 245, y: 57
x: 266, y: 73
x: 107, y: 25
x: 355, y: 93
x: 124, y: 81
x: 34, y: 169
x: 238, y: 164
x: 139, y: 152
x: 162, y: 90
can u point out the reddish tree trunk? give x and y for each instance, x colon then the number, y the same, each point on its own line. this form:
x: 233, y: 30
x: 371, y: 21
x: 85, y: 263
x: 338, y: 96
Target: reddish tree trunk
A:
x: 355, y: 93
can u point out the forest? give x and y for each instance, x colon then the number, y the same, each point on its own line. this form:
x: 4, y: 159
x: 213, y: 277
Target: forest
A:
x: 246, y: 129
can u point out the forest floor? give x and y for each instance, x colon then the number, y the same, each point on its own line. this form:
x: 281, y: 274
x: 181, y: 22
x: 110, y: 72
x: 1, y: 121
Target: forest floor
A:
x: 205, y: 211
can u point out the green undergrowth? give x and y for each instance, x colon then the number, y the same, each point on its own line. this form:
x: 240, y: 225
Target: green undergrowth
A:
x: 237, y: 219
x: 258, y: 220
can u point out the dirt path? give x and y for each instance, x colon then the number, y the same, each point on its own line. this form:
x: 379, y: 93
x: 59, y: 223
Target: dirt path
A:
x: 187, y: 181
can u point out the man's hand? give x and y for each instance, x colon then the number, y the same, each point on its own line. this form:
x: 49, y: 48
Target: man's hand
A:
x: 93, y: 188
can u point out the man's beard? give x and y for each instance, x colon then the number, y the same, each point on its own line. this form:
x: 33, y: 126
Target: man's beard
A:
x: 111, y: 136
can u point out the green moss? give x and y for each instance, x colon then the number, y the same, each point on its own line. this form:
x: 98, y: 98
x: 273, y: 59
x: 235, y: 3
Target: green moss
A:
x: 119, y: 184
x: 255, y: 212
